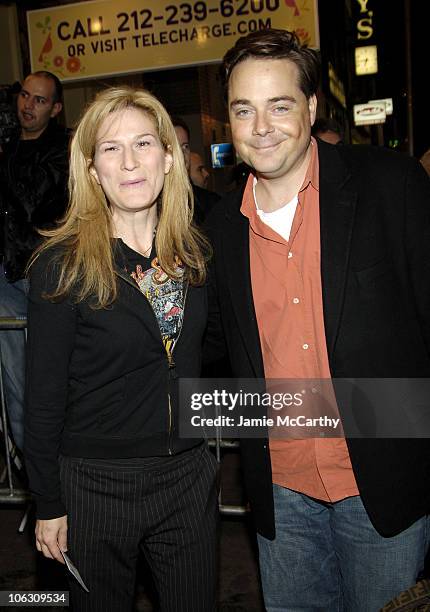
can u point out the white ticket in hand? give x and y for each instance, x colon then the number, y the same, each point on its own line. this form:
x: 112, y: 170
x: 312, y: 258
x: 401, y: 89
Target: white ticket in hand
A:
x: 73, y: 570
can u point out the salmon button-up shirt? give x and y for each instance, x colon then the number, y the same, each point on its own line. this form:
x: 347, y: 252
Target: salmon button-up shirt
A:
x: 287, y: 293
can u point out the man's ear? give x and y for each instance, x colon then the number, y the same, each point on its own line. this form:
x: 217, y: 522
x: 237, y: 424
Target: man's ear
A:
x: 312, y: 102
x: 56, y: 109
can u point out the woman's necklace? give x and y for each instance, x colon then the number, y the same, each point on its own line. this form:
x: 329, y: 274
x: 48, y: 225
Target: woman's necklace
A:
x: 147, y: 252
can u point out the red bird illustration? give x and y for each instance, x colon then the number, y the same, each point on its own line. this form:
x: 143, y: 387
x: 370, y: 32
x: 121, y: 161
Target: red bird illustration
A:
x: 47, y: 47
x: 172, y: 312
x: 293, y: 4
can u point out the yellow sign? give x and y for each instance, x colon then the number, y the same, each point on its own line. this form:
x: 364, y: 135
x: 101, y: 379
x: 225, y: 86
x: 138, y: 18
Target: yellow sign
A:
x: 106, y: 37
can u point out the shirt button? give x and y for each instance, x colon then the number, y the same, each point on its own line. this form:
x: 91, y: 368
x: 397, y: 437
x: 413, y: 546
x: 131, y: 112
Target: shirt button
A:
x: 305, y: 346
x: 296, y: 300
x: 290, y: 255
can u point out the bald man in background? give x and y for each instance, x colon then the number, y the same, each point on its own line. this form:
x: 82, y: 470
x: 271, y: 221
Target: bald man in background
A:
x: 198, y: 172
x: 204, y: 200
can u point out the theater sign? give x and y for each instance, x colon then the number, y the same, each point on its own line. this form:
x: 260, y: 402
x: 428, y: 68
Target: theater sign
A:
x: 107, y: 37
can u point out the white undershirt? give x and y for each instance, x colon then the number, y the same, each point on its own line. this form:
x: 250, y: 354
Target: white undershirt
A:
x: 279, y: 220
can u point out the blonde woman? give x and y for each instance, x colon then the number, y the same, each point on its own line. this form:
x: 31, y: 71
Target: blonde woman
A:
x: 117, y: 311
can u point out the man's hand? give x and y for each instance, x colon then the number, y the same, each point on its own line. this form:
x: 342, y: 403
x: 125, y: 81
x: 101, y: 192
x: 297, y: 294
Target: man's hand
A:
x: 51, y: 537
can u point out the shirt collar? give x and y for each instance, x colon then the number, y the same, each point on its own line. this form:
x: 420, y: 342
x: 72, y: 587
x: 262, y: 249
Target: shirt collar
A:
x: 249, y: 204
x: 312, y: 173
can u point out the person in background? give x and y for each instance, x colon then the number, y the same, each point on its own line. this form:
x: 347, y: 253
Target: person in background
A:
x: 117, y: 312
x: 425, y: 161
x: 198, y: 172
x: 33, y: 195
x: 183, y: 135
x: 328, y: 130
x: 321, y: 271
x: 204, y: 200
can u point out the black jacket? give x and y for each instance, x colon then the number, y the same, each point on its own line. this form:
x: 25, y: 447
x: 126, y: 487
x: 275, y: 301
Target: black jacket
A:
x: 375, y: 269
x: 204, y: 201
x: 99, y: 382
x: 33, y: 194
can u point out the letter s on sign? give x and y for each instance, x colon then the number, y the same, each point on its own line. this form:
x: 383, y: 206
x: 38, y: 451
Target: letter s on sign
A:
x: 365, y: 28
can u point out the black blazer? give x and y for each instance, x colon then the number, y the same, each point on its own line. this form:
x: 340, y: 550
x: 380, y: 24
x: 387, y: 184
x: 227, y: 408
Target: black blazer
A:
x: 204, y: 201
x: 375, y: 269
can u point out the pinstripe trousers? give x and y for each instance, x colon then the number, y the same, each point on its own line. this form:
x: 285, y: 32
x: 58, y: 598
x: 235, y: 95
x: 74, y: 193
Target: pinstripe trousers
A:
x: 165, y: 507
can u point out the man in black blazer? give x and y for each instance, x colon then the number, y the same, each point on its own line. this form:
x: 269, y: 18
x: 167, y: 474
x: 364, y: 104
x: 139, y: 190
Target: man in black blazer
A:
x: 361, y: 538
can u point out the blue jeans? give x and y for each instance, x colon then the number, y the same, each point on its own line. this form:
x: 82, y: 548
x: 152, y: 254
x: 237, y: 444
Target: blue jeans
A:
x: 328, y: 556
x: 13, y: 303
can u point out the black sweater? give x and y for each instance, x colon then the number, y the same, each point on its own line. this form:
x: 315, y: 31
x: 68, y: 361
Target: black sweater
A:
x: 98, y: 381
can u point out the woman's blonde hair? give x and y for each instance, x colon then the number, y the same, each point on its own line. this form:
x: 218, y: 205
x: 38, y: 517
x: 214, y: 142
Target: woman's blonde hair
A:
x: 86, y: 256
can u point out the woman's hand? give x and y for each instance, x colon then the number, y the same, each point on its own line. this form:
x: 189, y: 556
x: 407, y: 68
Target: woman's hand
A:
x: 51, y: 537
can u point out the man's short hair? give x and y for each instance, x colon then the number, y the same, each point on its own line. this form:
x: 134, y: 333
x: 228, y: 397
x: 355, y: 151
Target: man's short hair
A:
x: 178, y: 121
x: 327, y: 125
x: 275, y: 44
x: 58, y: 88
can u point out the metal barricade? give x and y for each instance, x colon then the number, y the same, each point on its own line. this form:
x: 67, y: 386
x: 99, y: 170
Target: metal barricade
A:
x: 218, y: 443
x: 10, y: 494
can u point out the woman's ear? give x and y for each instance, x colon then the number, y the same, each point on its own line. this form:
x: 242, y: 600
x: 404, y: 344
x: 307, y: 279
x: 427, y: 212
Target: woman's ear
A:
x: 168, y: 160
x: 92, y: 170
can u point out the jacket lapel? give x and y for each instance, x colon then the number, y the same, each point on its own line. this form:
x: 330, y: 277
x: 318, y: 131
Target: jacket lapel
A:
x: 337, y: 213
x: 235, y: 245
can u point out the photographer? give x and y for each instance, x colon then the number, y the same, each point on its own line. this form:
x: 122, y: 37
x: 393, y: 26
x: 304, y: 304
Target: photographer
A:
x: 33, y: 195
